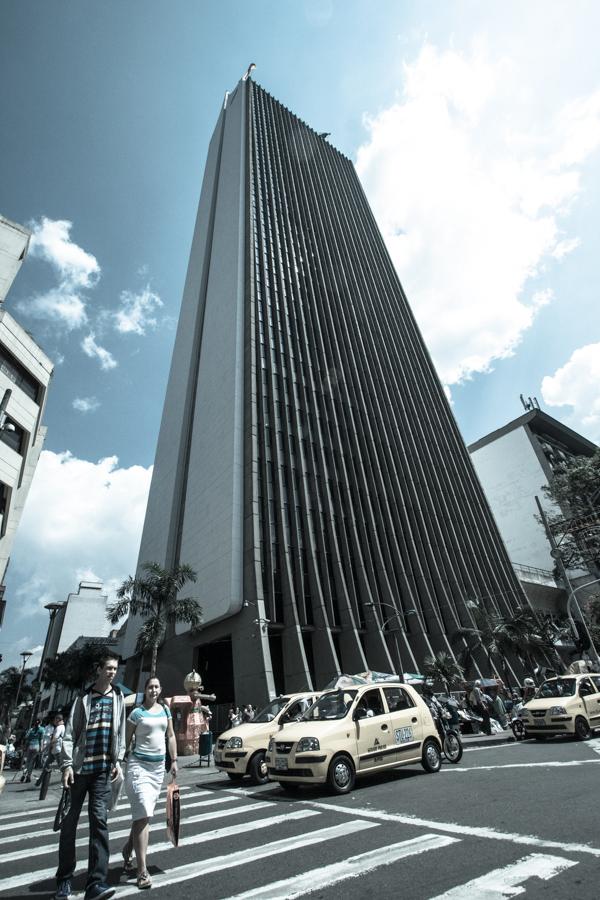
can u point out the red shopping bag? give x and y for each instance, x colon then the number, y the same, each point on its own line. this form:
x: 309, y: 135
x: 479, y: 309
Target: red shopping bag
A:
x: 173, y: 813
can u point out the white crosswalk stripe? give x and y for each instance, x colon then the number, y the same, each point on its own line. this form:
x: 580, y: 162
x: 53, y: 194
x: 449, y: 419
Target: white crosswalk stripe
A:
x: 216, y: 834
x: 257, y: 823
x: 124, y: 833
x: 239, y: 858
x: 353, y: 867
x: 32, y: 835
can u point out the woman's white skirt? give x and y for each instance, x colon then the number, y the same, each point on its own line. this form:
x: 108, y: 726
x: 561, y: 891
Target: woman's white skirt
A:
x: 142, y: 784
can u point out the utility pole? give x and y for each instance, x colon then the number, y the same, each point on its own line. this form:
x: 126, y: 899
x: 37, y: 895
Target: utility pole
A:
x: 571, y: 598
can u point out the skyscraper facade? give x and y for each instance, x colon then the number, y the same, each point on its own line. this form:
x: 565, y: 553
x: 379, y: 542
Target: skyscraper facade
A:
x: 308, y: 467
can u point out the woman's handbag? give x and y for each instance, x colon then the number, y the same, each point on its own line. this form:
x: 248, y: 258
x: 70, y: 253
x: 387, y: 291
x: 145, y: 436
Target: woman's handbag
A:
x: 173, y: 813
x: 64, y: 806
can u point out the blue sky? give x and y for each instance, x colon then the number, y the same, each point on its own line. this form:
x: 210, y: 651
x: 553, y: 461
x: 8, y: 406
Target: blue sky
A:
x: 475, y: 128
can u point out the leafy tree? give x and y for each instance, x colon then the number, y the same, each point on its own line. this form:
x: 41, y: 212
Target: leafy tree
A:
x: 153, y: 597
x: 9, y: 687
x: 74, y: 668
x: 443, y: 667
x: 481, y: 634
x: 575, y: 487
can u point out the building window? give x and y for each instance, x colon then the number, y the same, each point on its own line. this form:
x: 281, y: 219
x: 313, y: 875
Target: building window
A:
x: 19, y: 375
x: 13, y: 437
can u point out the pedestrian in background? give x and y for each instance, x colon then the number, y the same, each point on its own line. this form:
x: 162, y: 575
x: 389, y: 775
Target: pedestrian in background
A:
x: 52, y: 754
x: 93, y: 747
x: 234, y: 716
x: 147, y: 727
x: 32, y: 743
x: 479, y: 704
x: 248, y: 713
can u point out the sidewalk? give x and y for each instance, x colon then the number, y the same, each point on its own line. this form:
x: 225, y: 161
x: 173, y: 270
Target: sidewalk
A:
x: 19, y: 798
x: 484, y: 740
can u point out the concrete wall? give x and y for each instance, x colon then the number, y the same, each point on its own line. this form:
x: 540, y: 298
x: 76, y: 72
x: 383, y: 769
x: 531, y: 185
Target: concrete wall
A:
x: 512, y: 476
x: 194, y: 512
x: 14, y: 241
x: 17, y: 469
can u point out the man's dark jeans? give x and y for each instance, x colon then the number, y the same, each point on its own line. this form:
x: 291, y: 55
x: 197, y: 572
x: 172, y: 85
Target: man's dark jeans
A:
x: 99, y: 791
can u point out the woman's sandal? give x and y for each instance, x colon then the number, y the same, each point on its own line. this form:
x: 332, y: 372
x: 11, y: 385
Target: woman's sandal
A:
x: 128, y: 866
x: 144, y: 881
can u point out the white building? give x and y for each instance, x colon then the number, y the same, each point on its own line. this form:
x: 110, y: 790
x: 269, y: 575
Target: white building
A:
x: 25, y: 373
x: 514, y: 464
x: 84, y: 613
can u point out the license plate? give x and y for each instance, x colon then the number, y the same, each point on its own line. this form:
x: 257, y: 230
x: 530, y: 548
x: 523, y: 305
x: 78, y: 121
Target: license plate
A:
x: 280, y: 762
x: 402, y: 735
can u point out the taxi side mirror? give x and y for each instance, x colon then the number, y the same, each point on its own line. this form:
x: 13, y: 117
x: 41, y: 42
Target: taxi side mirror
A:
x: 359, y: 713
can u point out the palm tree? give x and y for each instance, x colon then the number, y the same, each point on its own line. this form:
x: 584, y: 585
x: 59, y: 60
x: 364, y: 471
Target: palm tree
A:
x: 482, y: 633
x: 153, y: 597
x: 443, y: 667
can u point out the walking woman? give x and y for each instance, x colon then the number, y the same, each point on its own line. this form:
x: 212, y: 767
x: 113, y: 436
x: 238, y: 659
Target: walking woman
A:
x: 146, y: 727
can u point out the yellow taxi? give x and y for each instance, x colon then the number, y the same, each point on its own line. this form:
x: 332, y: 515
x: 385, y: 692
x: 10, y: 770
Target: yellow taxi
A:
x: 568, y: 704
x: 355, y: 731
x: 241, y: 750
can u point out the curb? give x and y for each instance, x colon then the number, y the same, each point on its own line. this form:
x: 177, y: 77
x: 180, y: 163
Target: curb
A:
x: 486, y: 740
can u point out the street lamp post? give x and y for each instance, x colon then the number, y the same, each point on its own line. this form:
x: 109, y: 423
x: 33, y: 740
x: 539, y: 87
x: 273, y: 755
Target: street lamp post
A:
x: 52, y: 608
x: 25, y: 654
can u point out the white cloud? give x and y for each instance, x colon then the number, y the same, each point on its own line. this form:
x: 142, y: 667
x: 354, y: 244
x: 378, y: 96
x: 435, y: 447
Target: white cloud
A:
x: 59, y: 304
x: 92, y: 349
x: 51, y: 240
x: 76, y: 268
x: 82, y: 519
x: 577, y: 384
x: 135, y: 315
x: 469, y: 178
x: 85, y: 404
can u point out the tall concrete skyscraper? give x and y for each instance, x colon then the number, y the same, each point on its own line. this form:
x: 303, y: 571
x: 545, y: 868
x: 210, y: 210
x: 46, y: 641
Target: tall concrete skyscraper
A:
x: 309, y: 467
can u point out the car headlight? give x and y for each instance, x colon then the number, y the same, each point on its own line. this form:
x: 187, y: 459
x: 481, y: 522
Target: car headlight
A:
x: 271, y: 747
x: 234, y: 743
x: 558, y: 711
x: 524, y: 713
x: 308, y: 743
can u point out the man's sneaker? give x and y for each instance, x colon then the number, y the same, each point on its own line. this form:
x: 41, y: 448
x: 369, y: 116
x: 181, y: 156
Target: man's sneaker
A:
x: 99, y: 892
x: 63, y: 889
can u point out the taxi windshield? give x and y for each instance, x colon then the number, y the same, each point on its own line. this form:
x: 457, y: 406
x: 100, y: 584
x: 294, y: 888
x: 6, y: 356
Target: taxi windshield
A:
x: 332, y: 705
x: 557, y: 687
x: 271, y: 710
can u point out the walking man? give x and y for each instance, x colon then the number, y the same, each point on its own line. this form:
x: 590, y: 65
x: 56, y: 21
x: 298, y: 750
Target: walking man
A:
x: 52, y: 754
x: 92, y: 750
x: 33, y: 747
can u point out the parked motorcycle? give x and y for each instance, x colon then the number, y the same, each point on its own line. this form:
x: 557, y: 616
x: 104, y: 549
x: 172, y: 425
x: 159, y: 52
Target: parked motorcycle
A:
x: 450, y: 738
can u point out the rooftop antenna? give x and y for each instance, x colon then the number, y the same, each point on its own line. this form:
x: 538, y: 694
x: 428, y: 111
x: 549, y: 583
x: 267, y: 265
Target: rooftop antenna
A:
x: 529, y: 403
x: 249, y: 71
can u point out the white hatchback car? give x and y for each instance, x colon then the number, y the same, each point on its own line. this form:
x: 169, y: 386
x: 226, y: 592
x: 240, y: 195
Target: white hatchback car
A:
x: 569, y: 704
x: 352, y: 732
x: 241, y: 750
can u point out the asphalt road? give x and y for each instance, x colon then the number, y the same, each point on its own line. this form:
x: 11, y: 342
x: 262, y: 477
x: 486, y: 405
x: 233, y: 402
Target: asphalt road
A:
x: 513, y: 819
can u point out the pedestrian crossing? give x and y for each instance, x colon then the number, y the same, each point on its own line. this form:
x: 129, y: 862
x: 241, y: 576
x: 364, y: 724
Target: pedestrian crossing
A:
x: 285, y: 847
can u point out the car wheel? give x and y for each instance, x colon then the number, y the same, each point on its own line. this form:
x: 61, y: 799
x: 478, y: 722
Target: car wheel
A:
x: 257, y: 769
x: 341, y: 774
x: 582, y: 729
x: 453, y: 748
x: 431, y: 760
x: 289, y: 787
x: 235, y: 776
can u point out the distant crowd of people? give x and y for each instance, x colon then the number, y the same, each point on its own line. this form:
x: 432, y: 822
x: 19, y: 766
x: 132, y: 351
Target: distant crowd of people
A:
x: 236, y: 715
